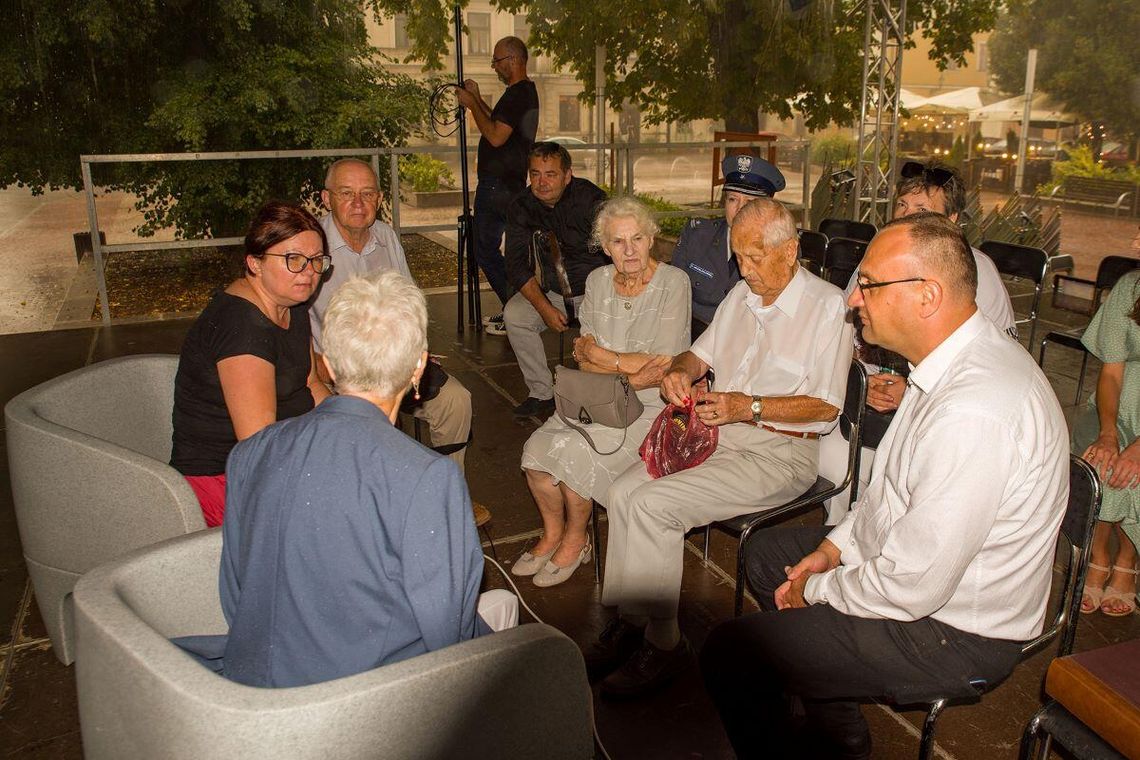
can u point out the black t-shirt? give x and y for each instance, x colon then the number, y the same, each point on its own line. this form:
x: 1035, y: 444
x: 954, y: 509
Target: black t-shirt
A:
x: 518, y: 109
x: 232, y: 326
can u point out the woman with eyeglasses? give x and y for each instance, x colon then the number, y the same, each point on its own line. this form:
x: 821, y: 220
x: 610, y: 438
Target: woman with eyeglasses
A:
x: 247, y: 360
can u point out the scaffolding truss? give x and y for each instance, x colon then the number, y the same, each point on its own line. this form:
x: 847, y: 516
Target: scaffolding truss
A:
x: 884, y: 35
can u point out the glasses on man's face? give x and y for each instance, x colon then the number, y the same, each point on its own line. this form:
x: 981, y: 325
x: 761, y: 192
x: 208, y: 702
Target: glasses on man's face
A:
x: 344, y: 195
x: 865, y: 286
x: 296, y: 262
x: 931, y: 175
x: 497, y: 61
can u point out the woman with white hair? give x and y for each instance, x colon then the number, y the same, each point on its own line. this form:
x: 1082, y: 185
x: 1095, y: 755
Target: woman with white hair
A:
x: 347, y: 545
x: 635, y: 317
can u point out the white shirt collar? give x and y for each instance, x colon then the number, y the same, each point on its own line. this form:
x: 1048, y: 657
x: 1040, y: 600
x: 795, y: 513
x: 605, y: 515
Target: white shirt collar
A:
x: 930, y: 370
x: 787, y: 303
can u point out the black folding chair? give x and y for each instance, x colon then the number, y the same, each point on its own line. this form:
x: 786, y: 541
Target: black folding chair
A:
x: 1020, y: 262
x: 1111, y: 269
x: 848, y: 228
x: 1076, y: 530
x: 843, y: 257
x: 813, y: 251
x: 851, y: 420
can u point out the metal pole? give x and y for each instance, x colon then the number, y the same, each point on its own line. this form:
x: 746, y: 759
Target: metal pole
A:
x: 96, y: 243
x: 807, y: 185
x: 465, y: 248
x: 600, y: 108
x: 1023, y: 148
x: 393, y: 187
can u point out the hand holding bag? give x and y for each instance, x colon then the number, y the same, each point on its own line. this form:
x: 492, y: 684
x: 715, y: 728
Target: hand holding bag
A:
x: 677, y: 441
x: 592, y: 397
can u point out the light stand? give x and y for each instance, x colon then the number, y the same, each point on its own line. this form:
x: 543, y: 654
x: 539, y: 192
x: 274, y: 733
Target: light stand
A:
x: 466, y: 247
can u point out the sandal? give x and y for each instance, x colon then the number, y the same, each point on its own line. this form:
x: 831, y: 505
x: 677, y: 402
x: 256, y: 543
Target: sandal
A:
x: 1094, y: 594
x: 1127, y: 598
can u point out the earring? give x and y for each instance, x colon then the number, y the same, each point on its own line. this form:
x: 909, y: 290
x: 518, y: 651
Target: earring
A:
x: 416, y: 388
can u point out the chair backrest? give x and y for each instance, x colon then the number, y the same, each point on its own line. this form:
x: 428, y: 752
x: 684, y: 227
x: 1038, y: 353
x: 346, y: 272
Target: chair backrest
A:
x: 851, y: 421
x: 843, y: 257
x: 1016, y: 260
x: 1076, y: 529
x: 141, y: 696
x: 813, y: 251
x: 1111, y: 269
x: 848, y: 228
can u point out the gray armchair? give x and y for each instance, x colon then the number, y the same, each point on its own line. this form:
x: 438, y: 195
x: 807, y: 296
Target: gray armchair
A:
x: 88, y: 454
x: 519, y: 693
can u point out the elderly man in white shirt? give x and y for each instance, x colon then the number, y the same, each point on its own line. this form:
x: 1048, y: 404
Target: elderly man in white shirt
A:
x: 360, y: 243
x: 942, y: 568
x: 780, y: 348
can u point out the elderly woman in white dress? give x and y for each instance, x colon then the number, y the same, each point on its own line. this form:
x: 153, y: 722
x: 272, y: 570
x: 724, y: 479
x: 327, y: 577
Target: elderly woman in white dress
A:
x: 635, y: 318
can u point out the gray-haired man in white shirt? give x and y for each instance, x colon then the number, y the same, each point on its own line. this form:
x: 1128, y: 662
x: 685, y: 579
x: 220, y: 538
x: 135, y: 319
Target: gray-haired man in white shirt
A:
x: 942, y: 568
x: 780, y: 346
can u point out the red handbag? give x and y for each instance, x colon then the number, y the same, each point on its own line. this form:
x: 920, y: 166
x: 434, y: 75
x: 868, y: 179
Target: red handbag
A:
x: 677, y: 441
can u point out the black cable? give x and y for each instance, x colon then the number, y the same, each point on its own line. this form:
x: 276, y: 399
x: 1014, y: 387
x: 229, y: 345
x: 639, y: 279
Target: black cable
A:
x: 440, y: 113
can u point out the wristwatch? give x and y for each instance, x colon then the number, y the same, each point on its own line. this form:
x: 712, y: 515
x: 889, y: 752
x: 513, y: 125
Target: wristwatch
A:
x: 757, y: 408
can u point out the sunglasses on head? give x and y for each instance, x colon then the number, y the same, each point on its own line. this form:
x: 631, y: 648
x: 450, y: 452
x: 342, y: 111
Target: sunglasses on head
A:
x: 934, y: 175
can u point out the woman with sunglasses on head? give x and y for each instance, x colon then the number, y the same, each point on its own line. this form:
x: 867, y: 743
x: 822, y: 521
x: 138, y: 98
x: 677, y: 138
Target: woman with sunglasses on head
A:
x: 247, y: 360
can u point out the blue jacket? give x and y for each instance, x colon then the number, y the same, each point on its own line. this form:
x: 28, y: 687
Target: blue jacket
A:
x: 701, y: 253
x: 346, y: 546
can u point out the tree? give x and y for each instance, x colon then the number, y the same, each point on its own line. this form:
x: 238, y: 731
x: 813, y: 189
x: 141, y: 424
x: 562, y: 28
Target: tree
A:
x: 123, y: 76
x: 719, y: 59
x: 1087, y: 57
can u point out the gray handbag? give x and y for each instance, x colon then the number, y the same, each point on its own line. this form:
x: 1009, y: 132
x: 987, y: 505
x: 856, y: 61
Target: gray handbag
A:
x: 592, y: 397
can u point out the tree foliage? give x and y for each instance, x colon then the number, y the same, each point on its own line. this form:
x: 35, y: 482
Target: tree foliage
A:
x: 1087, y: 56
x: 715, y: 59
x: 148, y: 76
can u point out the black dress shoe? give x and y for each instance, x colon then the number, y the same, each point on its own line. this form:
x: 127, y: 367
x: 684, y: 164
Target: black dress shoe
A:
x: 535, y: 407
x: 617, y: 643
x: 650, y: 668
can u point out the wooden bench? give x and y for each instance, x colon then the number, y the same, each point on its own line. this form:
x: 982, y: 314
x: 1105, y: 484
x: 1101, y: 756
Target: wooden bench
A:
x: 1103, y: 193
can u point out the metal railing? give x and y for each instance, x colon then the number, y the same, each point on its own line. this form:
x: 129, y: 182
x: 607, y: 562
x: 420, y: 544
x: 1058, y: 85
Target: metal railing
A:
x: 623, y: 160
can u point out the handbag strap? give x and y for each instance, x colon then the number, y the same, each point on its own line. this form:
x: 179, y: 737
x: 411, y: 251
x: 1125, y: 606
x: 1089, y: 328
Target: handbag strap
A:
x: 589, y: 439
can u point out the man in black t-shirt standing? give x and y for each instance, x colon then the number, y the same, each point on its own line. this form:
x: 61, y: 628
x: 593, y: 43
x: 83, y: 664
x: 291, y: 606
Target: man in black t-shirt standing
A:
x: 508, y: 131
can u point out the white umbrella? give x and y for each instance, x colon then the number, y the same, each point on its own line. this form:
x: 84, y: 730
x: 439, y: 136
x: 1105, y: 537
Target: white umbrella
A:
x: 955, y: 101
x: 1012, y: 109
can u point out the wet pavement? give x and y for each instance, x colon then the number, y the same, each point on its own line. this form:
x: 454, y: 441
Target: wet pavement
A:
x: 38, y: 712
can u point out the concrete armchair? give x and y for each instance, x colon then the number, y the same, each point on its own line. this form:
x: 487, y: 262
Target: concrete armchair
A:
x: 88, y: 455
x: 520, y: 693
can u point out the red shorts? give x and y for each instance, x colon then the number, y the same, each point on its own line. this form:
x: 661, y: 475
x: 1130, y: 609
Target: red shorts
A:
x: 211, y: 493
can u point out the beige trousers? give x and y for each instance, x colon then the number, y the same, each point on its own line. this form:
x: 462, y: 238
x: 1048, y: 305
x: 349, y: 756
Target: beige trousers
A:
x: 751, y: 469
x: 448, y: 416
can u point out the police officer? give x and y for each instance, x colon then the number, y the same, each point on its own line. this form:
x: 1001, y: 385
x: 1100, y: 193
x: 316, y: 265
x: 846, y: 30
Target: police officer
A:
x: 703, y: 251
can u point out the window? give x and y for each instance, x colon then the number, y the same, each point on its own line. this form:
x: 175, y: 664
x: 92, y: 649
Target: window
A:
x: 983, y: 57
x: 522, y: 29
x: 569, y: 114
x: 400, y: 25
x: 478, y: 33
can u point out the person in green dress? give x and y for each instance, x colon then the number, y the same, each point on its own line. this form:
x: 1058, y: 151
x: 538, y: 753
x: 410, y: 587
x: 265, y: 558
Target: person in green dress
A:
x: 1105, y: 435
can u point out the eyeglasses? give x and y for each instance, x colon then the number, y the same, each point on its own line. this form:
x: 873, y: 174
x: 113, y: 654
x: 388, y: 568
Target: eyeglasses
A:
x: 296, y: 262
x: 865, y: 286
x: 495, y: 61
x: 344, y: 195
x: 931, y: 175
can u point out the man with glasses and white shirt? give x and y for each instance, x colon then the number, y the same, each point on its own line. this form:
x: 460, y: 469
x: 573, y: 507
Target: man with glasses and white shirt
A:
x: 360, y: 243
x: 942, y: 569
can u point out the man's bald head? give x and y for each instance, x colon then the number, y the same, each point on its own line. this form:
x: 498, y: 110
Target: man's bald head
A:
x: 940, y: 247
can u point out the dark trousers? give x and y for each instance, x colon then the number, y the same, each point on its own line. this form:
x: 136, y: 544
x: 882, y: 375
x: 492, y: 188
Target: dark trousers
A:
x: 491, y: 200
x: 829, y: 660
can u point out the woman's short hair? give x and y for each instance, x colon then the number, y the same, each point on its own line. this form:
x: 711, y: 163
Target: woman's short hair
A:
x: 622, y: 207
x: 374, y: 333
x: 274, y: 223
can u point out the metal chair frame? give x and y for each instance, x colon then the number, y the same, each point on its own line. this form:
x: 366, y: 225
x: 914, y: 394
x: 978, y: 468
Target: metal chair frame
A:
x: 848, y: 228
x: 1020, y: 262
x: 843, y: 257
x: 1077, y: 529
x: 1110, y: 270
x: 813, y: 251
x: 851, y: 418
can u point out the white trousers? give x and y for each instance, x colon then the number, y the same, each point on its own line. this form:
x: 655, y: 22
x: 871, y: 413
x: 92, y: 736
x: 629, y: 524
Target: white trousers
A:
x: 751, y: 469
